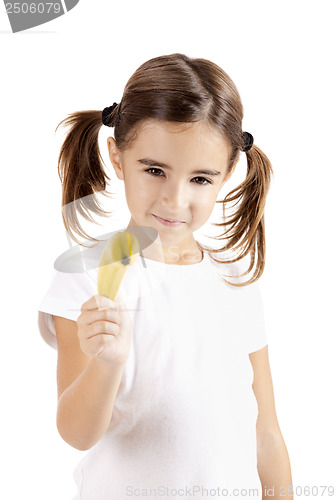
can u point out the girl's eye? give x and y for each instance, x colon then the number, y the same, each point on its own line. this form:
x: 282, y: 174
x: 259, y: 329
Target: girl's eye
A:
x: 203, y: 179
x: 156, y: 169
x: 150, y: 171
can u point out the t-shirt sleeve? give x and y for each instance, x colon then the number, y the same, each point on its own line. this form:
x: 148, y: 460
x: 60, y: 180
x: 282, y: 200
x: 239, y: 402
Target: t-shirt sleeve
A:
x: 64, y: 298
x: 255, y: 336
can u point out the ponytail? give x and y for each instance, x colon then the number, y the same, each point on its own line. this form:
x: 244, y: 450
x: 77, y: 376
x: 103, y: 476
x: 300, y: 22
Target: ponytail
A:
x: 80, y: 169
x: 247, y: 226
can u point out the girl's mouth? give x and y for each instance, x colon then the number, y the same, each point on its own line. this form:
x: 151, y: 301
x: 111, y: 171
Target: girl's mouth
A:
x: 167, y: 222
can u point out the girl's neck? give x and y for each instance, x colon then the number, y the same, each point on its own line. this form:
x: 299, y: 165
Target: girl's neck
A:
x: 172, y: 254
x: 184, y: 252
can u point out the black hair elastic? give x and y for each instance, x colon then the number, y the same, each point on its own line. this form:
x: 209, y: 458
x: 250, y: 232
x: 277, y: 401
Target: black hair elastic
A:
x: 106, y: 115
x: 248, y: 141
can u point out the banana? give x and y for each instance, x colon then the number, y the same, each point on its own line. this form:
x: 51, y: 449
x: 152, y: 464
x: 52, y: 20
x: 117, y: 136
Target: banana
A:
x: 121, y: 251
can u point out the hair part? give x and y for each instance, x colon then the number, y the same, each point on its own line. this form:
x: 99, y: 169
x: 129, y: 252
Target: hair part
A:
x: 180, y: 89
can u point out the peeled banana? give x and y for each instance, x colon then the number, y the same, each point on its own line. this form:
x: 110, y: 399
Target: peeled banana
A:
x: 121, y: 251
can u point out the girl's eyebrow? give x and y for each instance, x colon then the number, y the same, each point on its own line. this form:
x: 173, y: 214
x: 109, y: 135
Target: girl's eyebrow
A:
x: 152, y: 163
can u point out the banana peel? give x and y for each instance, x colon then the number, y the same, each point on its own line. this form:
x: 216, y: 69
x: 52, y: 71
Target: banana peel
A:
x: 121, y: 251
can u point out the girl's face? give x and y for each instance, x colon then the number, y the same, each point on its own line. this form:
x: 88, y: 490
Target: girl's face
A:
x: 172, y: 172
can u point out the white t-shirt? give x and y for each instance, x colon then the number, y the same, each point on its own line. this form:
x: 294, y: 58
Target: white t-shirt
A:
x: 184, y: 421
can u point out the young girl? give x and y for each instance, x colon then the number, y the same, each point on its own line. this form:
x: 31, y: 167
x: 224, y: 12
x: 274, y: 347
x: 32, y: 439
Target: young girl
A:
x: 168, y: 386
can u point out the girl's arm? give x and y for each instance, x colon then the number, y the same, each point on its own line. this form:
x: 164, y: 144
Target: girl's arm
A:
x: 273, y: 460
x: 87, y: 389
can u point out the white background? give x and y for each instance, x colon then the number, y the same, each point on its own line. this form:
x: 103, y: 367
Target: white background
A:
x: 281, y: 55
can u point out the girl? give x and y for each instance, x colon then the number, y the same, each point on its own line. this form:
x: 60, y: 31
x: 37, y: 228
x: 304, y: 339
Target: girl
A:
x: 168, y: 386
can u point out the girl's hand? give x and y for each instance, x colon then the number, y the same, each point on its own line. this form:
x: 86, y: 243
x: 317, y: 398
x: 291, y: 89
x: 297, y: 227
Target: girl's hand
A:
x: 105, y: 329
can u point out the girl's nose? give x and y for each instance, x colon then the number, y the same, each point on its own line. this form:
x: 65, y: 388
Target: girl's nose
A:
x: 174, y: 196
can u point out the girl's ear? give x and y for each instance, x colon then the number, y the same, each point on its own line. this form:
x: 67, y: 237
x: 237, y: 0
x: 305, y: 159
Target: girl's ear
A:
x: 228, y: 175
x: 115, y: 157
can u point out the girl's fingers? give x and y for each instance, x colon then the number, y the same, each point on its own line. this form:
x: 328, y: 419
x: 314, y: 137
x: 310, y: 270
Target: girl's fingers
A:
x: 98, y: 302
x: 90, y: 316
x: 103, y: 328
x: 99, y: 342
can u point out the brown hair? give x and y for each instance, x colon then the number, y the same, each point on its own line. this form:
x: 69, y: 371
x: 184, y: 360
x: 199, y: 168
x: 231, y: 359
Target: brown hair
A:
x: 173, y: 88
